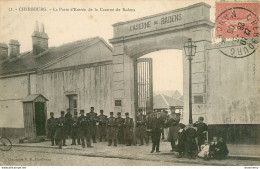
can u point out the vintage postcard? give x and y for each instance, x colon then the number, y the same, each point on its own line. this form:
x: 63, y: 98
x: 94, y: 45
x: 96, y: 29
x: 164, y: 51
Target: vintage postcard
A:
x: 129, y: 83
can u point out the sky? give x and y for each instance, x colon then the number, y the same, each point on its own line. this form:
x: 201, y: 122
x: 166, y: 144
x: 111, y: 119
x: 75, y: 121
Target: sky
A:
x: 67, y: 26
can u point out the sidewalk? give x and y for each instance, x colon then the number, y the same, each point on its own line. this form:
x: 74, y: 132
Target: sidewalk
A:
x: 239, y: 155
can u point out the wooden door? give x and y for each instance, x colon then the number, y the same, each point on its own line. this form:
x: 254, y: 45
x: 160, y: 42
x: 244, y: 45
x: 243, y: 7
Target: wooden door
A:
x: 40, y: 118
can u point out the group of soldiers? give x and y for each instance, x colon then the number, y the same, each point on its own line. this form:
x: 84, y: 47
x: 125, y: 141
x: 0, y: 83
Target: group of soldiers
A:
x: 119, y: 130
x: 85, y: 128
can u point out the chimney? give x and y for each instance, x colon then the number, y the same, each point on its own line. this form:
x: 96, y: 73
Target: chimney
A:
x: 39, y: 39
x: 3, y: 51
x: 14, y: 48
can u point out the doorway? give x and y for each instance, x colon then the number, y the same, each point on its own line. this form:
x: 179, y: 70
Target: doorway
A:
x: 40, y: 118
x: 73, y: 102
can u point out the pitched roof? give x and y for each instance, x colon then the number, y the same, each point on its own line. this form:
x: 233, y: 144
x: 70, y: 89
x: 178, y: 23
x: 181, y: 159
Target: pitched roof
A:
x: 164, y: 101
x: 176, y: 94
x: 32, y: 97
x: 29, y: 62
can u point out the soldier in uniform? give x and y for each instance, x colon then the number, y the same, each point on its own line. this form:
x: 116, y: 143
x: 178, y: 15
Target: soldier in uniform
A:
x: 120, y: 127
x: 75, y: 129
x: 60, y: 133
x: 112, y: 130
x: 92, y: 117
x: 156, y: 127
x: 128, y: 129
x: 84, y: 129
x: 52, y: 124
x: 102, y: 122
x: 173, y: 122
x: 68, y: 124
x: 191, y: 145
x: 141, y: 127
x: 202, y: 129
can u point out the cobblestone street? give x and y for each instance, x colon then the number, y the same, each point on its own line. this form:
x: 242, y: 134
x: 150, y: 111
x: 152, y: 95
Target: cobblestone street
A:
x: 43, y: 154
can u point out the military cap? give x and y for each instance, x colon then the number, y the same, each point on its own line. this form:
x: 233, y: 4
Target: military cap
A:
x: 62, y: 112
x: 118, y: 113
x: 75, y: 113
x: 81, y: 111
x: 182, y: 126
x: 111, y: 112
x: 51, y: 113
x: 92, y: 107
x: 140, y: 110
x: 101, y: 110
x: 126, y: 113
x: 201, y: 118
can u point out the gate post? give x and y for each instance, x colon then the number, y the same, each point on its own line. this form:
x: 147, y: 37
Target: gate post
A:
x: 123, y: 81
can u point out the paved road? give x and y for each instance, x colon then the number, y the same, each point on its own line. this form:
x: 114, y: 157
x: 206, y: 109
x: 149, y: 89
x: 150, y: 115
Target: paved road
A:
x: 101, y: 154
x: 24, y: 157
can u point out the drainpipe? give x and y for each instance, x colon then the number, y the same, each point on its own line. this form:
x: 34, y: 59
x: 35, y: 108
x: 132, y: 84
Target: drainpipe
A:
x: 29, y: 84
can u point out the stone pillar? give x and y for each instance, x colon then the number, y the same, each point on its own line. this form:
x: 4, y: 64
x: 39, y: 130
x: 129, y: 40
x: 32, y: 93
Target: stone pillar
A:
x: 123, y: 81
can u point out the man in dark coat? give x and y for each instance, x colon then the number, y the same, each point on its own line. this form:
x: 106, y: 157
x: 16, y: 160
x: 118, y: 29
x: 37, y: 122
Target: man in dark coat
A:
x: 156, y: 130
x: 181, y: 139
x: 84, y: 129
x: 141, y: 127
x: 128, y: 129
x: 52, y: 125
x: 112, y: 130
x: 202, y: 129
x: 92, y: 116
x: 120, y: 127
x: 68, y: 124
x: 191, y: 145
x: 173, y: 122
x: 221, y: 150
x: 75, y: 129
x: 60, y: 133
x: 102, y: 122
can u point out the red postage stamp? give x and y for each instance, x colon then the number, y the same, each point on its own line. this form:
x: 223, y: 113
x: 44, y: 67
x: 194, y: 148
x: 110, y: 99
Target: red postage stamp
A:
x: 237, y: 20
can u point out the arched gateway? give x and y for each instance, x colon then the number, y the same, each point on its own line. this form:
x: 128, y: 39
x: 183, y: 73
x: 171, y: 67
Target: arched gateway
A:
x: 168, y: 30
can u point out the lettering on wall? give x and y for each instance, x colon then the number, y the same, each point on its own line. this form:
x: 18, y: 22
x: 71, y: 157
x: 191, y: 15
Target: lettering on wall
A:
x: 161, y: 21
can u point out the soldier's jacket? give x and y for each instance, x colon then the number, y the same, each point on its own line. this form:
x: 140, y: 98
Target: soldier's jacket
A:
x: 112, y: 128
x: 83, y: 122
x: 129, y: 123
x: 51, y: 126
x: 120, y: 122
x: 157, y: 124
x: 201, y: 127
x: 111, y: 122
x: 60, y: 131
x: 141, y: 120
x: 52, y: 123
x: 102, y: 120
x: 92, y: 117
x: 68, y: 118
x: 75, y: 124
x: 128, y: 128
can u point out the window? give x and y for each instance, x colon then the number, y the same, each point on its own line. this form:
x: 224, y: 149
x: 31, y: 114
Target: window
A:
x: 198, y: 99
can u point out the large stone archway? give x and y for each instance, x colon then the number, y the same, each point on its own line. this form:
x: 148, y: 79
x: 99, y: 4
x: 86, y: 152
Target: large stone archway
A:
x: 169, y: 30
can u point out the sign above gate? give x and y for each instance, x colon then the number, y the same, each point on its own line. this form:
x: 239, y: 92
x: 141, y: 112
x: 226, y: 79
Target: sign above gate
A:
x: 179, y: 18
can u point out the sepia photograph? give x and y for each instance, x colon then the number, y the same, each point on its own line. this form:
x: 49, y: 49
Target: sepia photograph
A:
x: 129, y: 83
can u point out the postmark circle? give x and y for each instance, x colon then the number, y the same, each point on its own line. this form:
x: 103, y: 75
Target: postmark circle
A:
x: 237, y: 22
x: 239, y: 48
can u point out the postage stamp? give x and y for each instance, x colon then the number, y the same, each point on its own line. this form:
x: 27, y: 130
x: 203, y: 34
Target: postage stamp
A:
x: 237, y: 20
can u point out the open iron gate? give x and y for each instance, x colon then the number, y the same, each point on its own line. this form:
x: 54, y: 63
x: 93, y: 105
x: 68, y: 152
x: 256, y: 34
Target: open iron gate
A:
x: 144, y: 85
